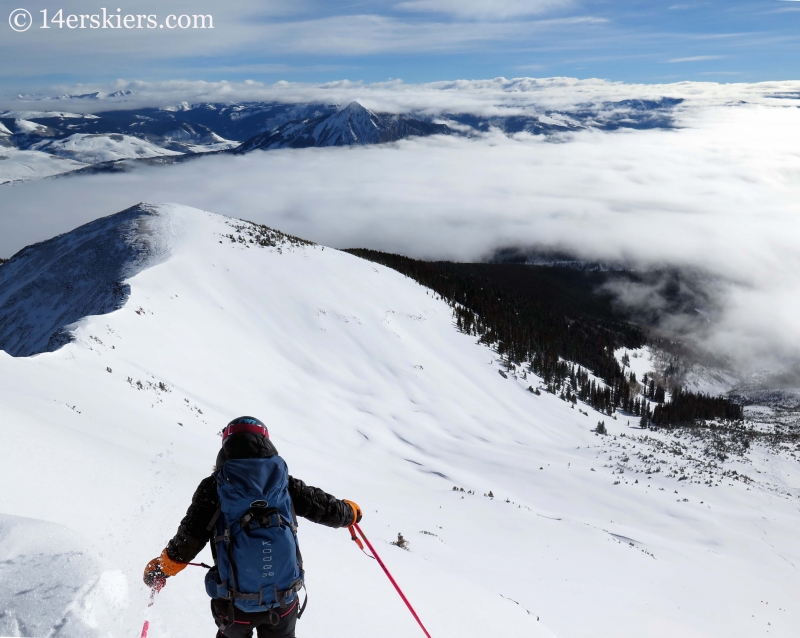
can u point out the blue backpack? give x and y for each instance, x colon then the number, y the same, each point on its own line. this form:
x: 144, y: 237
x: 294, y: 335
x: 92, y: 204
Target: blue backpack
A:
x: 258, y: 563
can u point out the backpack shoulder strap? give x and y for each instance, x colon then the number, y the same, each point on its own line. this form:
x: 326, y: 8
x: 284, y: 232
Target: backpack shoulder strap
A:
x: 214, y: 518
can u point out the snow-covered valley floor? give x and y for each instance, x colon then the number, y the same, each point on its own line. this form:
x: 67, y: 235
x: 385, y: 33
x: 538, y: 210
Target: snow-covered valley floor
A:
x: 370, y: 393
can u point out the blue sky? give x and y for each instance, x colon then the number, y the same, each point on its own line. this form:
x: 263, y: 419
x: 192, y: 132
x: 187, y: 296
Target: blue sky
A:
x: 416, y: 40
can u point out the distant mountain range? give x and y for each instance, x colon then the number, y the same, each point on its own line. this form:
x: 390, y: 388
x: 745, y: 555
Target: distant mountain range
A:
x: 38, y: 138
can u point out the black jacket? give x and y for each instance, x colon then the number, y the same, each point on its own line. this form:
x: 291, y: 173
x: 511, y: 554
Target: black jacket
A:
x: 309, y: 502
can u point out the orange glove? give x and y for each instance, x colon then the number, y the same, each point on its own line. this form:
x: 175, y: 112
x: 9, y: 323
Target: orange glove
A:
x: 161, y: 568
x: 357, y: 513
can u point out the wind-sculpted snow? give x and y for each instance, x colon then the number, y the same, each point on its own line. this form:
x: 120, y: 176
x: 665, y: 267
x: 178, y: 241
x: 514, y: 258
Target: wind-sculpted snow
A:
x: 51, y: 583
x: 48, y: 286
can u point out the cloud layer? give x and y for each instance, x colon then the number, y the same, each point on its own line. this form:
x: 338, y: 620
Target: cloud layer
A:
x: 497, y: 96
x: 719, y: 197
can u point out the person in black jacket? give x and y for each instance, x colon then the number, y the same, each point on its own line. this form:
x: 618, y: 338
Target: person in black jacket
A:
x: 243, y: 438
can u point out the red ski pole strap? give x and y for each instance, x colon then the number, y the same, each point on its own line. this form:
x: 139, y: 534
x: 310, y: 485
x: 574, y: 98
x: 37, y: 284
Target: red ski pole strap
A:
x: 391, y: 579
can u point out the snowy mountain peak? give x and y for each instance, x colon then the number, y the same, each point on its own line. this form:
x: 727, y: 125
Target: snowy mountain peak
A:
x: 48, y: 287
x: 355, y: 107
x: 353, y: 125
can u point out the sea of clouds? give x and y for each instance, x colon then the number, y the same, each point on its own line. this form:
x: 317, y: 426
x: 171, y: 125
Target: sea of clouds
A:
x: 718, y: 196
x: 496, y: 96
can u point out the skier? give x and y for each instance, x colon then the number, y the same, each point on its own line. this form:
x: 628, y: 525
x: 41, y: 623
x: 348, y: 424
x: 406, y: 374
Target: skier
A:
x: 248, y: 510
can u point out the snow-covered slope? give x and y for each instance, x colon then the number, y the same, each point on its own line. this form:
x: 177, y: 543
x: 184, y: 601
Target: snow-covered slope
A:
x: 93, y: 149
x: 26, y: 127
x: 5, y: 136
x: 16, y: 165
x: 371, y: 394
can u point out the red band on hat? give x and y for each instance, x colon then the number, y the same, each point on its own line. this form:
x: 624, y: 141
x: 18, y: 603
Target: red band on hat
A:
x: 238, y: 428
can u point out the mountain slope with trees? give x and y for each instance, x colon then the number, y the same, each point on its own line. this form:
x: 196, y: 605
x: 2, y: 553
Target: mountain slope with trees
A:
x: 555, y: 321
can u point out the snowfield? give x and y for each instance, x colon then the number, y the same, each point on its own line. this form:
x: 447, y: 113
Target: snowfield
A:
x: 93, y: 149
x: 54, y: 157
x: 222, y: 145
x: 16, y: 165
x: 370, y: 393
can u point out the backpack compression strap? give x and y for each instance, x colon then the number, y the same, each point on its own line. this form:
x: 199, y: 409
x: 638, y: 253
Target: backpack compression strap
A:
x: 260, y: 517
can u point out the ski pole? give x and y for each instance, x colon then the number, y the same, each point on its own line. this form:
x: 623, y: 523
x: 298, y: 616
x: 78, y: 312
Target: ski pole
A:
x: 157, y: 586
x: 386, y: 571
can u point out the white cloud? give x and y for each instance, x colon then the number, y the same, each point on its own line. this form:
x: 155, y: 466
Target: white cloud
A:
x: 487, y: 8
x: 264, y: 33
x: 696, y: 58
x: 354, y: 35
x: 718, y: 196
x: 684, y: 7
x: 498, y: 96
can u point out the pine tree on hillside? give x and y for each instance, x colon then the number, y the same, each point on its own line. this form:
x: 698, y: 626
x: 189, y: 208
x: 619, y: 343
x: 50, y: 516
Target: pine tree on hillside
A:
x: 531, y: 329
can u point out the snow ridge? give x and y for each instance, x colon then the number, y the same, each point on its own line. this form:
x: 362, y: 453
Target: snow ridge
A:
x: 50, y: 285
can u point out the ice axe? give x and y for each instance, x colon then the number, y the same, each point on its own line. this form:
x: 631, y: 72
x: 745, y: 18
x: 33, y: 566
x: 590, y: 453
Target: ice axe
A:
x: 355, y: 528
